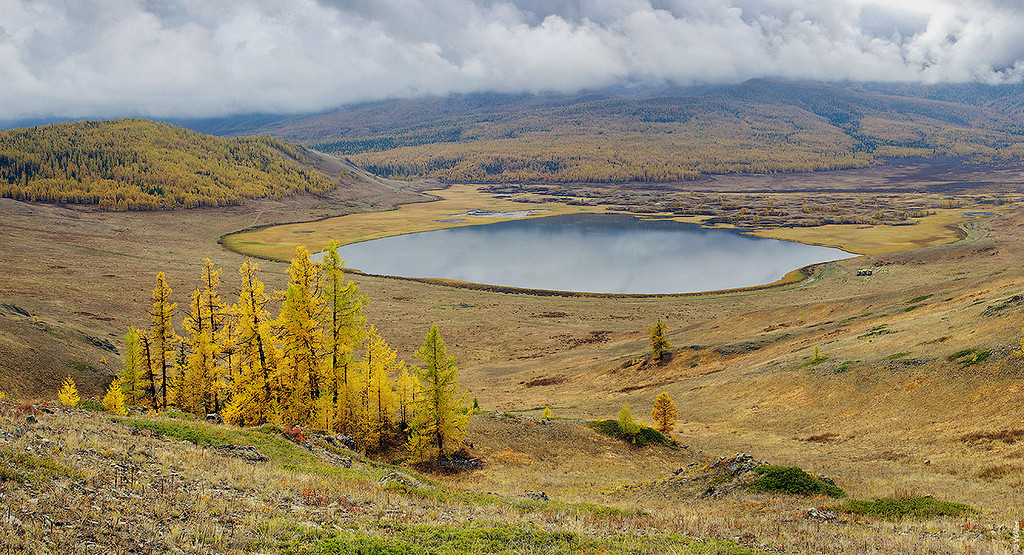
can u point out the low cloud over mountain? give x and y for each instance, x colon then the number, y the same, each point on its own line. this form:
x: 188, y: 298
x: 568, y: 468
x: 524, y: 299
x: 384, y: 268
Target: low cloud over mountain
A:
x: 192, y: 58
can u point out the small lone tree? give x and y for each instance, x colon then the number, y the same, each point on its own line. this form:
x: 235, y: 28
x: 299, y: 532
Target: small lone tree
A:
x: 113, y: 402
x: 69, y: 393
x: 664, y: 414
x: 626, y: 423
x: 659, y: 345
x: 440, y: 421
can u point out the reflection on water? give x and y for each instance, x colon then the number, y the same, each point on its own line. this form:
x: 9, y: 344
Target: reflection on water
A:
x: 600, y: 253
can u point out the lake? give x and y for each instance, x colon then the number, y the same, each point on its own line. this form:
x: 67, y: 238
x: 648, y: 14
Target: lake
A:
x: 597, y: 253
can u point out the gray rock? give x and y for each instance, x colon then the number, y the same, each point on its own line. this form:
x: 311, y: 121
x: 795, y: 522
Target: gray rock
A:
x: 342, y: 441
x: 821, y: 515
x: 399, y: 478
x: 536, y: 495
x: 214, y: 418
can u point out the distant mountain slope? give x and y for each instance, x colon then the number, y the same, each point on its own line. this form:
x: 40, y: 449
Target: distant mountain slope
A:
x: 134, y: 164
x: 760, y: 126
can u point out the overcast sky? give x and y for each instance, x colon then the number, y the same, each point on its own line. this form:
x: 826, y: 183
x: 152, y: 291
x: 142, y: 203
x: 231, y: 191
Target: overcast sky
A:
x: 198, y: 58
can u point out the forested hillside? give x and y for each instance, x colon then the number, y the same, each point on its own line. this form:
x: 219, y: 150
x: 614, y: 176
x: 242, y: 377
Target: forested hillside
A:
x: 134, y: 164
x: 761, y: 126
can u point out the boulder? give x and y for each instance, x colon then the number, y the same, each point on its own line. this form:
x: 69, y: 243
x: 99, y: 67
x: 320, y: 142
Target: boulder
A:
x: 342, y: 441
x: 247, y: 452
x: 214, y: 418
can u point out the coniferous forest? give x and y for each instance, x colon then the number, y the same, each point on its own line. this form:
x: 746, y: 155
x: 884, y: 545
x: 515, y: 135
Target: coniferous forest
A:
x: 134, y: 164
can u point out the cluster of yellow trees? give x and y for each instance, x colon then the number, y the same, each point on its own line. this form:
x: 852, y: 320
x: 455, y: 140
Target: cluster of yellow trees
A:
x: 134, y: 164
x: 315, y: 364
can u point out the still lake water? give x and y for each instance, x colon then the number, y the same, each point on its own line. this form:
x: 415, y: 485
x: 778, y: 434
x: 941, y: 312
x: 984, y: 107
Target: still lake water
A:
x: 598, y: 253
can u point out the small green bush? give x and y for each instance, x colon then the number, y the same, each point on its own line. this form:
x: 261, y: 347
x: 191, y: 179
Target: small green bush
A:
x: 898, y: 509
x: 91, y: 405
x: 791, y: 480
x: 640, y: 435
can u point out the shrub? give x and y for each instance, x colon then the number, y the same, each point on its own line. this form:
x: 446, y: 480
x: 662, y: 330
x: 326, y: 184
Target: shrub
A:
x: 91, y: 405
x: 791, y: 480
x: 898, y: 509
x: 640, y: 435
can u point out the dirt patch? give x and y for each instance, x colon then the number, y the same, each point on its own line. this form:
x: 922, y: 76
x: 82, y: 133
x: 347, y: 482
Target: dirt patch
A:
x: 570, y: 341
x: 539, y: 382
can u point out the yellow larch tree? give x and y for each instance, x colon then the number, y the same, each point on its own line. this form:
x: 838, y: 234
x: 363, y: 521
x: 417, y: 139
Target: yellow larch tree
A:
x: 302, y: 337
x: 217, y: 323
x: 68, y: 394
x: 379, y: 396
x: 113, y: 401
x: 162, y: 336
x: 440, y: 421
x: 343, y: 333
x: 664, y: 414
x: 659, y: 344
x: 626, y: 423
x: 256, y: 397
x: 147, y: 376
x: 406, y: 390
x: 198, y: 384
x: 131, y: 375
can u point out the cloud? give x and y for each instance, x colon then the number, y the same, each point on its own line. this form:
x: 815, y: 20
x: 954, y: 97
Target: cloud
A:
x: 194, y: 58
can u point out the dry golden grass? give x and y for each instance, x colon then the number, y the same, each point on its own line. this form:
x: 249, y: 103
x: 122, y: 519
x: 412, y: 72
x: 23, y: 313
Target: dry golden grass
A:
x: 946, y: 226
x: 279, y: 242
x: 131, y: 493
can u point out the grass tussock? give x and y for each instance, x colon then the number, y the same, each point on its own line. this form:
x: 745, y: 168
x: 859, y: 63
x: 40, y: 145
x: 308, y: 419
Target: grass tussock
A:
x: 881, y: 329
x: 969, y: 357
x: 1008, y: 437
x: 912, y: 507
x: 791, y: 480
x: 26, y: 467
x: 640, y: 435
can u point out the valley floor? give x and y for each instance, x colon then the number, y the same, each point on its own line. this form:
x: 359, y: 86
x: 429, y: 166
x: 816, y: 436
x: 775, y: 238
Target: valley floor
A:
x: 916, y: 390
